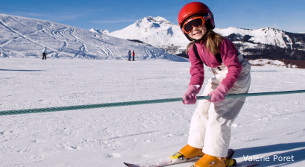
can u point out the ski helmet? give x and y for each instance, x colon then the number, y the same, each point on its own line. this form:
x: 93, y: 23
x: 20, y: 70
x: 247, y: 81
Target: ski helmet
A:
x: 195, y: 8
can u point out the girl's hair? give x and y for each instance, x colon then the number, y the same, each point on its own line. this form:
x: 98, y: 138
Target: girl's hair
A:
x: 212, y: 41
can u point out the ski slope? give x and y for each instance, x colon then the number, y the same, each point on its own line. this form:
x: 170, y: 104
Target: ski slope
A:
x: 22, y: 37
x: 107, y: 137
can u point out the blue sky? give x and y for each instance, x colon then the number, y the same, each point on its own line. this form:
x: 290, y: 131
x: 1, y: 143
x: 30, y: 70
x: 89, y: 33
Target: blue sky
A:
x: 115, y: 15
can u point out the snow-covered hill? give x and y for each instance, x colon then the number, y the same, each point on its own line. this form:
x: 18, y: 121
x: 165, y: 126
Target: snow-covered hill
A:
x: 159, y: 32
x: 25, y: 37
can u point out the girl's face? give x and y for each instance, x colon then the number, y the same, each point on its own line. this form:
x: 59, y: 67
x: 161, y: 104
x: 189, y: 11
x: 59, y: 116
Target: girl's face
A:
x: 198, y: 32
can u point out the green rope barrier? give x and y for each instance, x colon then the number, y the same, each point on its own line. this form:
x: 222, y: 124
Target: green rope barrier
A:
x: 103, y: 105
x: 256, y: 94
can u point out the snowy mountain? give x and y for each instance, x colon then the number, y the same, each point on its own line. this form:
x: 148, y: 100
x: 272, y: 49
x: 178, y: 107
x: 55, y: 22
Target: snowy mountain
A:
x: 156, y: 31
x: 26, y: 37
x: 99, y: 31
x: 267, y: 43
x: 159, y: 32
x: 269, y: 36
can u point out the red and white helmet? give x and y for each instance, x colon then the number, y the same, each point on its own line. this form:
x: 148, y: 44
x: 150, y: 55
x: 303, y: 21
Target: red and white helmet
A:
x: 195, y: 8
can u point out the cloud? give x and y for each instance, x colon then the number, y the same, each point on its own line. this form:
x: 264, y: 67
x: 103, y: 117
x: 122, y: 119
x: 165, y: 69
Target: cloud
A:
x: 26, y: 14
x: 114, y: 21
x: 52, y: 16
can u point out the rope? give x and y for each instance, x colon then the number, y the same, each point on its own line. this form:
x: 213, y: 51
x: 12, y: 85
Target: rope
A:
x: 129, y: 103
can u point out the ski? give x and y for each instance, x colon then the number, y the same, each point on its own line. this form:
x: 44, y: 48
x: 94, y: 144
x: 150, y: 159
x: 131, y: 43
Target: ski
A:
x: 246, y: 164
x: 164, y: 162
x: 161, y: 163
x: 180, y: 160
x: 239, y: 164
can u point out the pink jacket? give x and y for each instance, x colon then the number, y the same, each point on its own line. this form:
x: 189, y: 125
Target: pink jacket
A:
x: 229, y: 57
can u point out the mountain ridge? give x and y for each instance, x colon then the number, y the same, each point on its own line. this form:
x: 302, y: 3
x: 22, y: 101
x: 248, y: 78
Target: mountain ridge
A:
x: 252, y: 43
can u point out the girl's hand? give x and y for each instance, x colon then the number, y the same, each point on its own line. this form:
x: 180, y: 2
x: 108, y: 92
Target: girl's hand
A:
x: 190, y: 96
x: 218, y: 94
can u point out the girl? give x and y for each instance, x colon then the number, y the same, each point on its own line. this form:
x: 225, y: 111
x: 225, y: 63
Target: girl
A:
x: 210, y: 128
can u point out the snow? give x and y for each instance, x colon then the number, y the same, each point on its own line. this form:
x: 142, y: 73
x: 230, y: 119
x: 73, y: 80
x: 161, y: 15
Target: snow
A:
x: 25, y: 38
x: 99, y: 31
x: 159, y: 32
x: 90, y: 67
x: 267, y: 125
x: 156, y: 31
x: 262, y: 35
x: 267, y: 62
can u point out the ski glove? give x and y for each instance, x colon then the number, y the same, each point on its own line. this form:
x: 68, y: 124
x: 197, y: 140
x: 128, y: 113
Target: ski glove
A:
x: 218, y: 94
x: 190, y: 96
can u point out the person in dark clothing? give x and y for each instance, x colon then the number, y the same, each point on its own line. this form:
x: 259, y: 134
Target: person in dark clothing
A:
x: 129, y: 55
x: 44, y: 53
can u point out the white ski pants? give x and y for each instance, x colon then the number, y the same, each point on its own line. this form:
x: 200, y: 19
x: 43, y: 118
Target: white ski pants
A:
x: 210, y: 127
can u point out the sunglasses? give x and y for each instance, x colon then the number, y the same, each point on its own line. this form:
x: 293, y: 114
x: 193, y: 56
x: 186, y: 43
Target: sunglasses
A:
x: 195, y: 22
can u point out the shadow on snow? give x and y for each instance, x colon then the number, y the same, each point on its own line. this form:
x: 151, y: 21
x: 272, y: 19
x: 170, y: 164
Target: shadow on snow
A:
x: 20, y: 70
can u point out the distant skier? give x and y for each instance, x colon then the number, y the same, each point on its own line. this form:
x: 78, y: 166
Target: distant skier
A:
x: 44, y: 53
x: 129, y: 55
x: 210, y: 128
x: 133, y: 54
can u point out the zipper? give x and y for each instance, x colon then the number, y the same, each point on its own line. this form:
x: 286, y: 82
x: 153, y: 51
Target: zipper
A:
x: 207, y: 58
x: 204, y: 55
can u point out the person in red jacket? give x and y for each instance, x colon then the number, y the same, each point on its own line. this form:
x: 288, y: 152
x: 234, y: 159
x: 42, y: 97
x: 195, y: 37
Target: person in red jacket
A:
x: 210, y: 129
x: 133, y: 54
